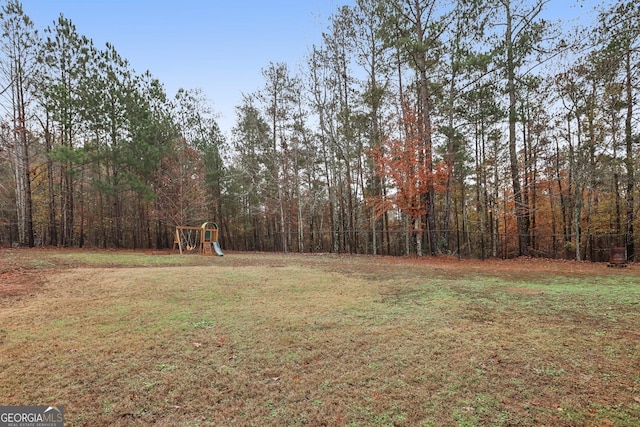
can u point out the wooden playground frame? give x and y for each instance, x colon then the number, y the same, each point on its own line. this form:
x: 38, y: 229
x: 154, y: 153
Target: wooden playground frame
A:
x: 202, y: 240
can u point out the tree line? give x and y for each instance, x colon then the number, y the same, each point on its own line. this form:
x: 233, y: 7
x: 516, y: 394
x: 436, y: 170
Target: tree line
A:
x: 464, y: 127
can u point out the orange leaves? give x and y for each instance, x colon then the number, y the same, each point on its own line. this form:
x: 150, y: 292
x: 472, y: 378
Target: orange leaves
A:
x: 406, y: 162
x: 440, y: 177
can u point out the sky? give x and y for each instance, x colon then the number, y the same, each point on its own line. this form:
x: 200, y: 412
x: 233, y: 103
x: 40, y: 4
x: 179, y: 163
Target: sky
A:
x: 218, y: 46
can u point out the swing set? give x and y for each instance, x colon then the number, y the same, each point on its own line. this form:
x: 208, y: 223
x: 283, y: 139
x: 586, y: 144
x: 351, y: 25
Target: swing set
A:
x: 202, y: 240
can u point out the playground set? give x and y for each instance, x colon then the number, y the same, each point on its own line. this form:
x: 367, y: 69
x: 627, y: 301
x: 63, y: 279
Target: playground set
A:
x: 202, y: 240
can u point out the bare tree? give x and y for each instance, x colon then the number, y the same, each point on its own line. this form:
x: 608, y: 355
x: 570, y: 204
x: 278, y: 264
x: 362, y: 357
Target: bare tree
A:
x: 19, y: 44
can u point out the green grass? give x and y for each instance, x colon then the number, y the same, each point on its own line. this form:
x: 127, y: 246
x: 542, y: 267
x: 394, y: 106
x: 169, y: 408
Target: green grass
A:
x: 255, y: 339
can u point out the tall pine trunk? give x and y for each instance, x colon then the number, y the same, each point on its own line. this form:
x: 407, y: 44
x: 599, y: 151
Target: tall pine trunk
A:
x: 629, y: 158
x: 520, y: 209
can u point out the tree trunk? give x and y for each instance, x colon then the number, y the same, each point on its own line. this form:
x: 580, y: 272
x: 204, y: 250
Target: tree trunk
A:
x: 629, y: 158
x: 520, y: 209
x: 429, y: 197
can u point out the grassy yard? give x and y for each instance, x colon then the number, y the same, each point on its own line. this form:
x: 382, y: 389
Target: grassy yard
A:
x: 123, y: 338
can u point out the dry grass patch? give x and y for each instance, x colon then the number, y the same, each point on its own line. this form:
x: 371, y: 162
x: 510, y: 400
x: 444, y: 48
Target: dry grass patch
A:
x: 254, y: 339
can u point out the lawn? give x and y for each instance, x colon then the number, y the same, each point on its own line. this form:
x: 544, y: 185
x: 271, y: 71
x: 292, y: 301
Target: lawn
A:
x: 125, y: 338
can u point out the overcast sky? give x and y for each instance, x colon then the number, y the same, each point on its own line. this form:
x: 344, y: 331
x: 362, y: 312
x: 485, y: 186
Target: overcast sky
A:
x: 219, y: 46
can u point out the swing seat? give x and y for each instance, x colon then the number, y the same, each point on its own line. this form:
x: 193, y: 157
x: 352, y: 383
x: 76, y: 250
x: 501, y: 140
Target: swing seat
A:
x: 186, y: 239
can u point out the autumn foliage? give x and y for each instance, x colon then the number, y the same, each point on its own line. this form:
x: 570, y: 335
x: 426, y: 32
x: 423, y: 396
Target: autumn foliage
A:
x: 404, y: 161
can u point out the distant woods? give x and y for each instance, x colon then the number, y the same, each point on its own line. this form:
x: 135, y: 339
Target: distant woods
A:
x: 469, y: 128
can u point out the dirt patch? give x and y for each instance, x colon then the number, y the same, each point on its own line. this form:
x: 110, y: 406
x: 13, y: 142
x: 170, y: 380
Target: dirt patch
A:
x: 18, y: 283
x: 526, y: 291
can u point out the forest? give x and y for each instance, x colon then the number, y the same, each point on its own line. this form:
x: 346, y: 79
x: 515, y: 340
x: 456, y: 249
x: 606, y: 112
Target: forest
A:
x: 470, y: 128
